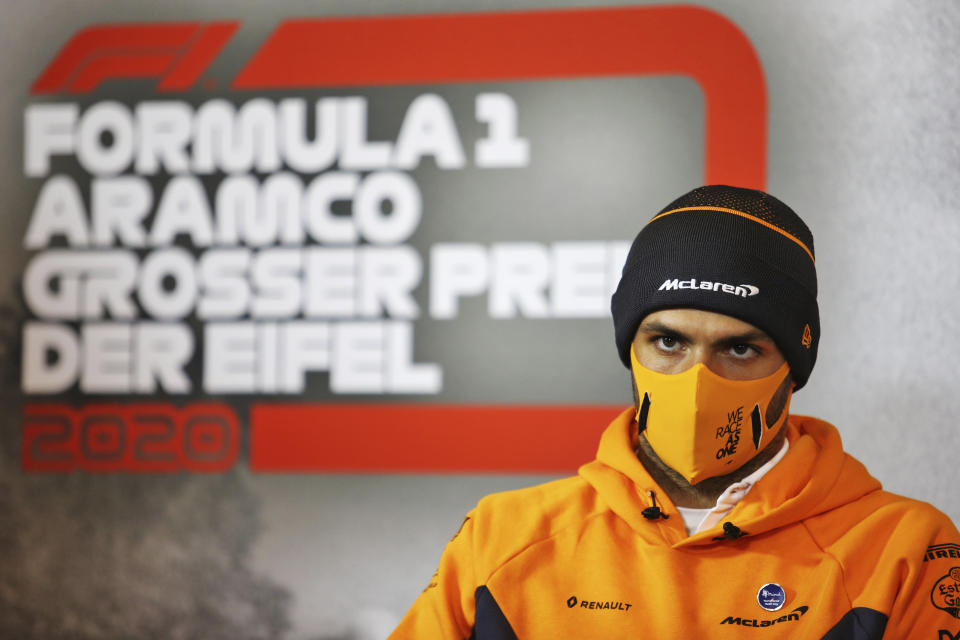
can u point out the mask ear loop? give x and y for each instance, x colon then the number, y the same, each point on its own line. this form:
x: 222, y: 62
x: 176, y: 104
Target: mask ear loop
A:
x: 642, y: 412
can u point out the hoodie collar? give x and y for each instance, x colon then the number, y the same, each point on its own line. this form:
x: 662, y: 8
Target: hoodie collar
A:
x: 814, y: 476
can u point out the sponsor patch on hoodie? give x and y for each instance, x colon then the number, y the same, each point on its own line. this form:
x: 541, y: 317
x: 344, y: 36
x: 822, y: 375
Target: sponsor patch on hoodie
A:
x: 793, y: 616
x: 942, y: 551
x: 597, y: 605
x: 946, y: 593
x: 771, y: 596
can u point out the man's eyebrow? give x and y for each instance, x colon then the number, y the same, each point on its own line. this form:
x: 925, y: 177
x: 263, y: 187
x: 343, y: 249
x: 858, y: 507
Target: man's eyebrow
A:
x: 658, y: 327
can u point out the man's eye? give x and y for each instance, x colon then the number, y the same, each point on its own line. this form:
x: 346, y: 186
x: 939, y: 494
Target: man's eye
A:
x: 667, y: 343
x: 742, y: 350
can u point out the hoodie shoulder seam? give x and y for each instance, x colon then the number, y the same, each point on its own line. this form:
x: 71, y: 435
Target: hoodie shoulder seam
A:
x: 843, y: 571
x: 532, y: 543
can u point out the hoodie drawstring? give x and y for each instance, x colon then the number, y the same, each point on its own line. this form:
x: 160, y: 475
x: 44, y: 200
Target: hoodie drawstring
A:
x: 654, y: 512
x: 731, y: 532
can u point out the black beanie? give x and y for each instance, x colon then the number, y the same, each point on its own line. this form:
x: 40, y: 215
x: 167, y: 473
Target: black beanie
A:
x: 734, y: 251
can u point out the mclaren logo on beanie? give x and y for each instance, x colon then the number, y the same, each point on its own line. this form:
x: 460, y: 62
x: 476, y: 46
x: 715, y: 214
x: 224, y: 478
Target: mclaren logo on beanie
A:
x: 743, y: 290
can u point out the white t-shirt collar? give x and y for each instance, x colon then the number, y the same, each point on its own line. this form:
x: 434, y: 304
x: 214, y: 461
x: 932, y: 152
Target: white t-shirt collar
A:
x: 697, y: 520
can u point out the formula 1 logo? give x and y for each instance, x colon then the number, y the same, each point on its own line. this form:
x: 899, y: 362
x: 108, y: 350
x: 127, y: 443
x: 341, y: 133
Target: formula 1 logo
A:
x: 424, y: 49
x: 177, y: 53
x: 946, y: 593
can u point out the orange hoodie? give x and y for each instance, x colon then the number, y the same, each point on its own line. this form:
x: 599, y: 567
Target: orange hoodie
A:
x: 815, y: 550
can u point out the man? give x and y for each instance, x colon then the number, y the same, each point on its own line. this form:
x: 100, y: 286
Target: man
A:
x: 709, y: 512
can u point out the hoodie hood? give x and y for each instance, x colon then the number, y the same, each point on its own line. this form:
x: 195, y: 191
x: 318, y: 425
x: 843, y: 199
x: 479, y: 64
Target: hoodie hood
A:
x: 815, y: 476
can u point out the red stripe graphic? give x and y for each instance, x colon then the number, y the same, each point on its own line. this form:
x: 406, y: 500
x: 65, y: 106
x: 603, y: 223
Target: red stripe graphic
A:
x: 537, y: 45
x: 424, y: 438
x: 178, y: 53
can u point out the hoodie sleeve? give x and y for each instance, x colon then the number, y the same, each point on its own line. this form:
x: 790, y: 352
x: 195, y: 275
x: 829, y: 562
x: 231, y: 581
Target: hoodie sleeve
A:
x: 900, y: 561
x: 445, y: 609
x: 928, y: 601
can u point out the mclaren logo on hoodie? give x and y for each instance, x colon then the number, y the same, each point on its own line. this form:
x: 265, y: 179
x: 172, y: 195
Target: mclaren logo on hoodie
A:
x: 793, y: 616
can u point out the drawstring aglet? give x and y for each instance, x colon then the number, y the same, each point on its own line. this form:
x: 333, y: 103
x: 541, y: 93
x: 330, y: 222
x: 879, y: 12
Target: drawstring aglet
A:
x: 654, y: 512
x: 731, y: 532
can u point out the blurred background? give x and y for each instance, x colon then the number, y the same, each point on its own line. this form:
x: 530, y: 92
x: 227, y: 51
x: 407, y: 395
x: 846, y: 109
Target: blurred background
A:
x: 287, y: 287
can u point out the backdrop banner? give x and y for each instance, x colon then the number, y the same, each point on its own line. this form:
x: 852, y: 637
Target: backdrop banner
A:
x: 283, y: 295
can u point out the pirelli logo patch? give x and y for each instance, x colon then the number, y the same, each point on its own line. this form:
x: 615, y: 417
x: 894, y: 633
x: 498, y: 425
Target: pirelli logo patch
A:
x: 938, y: 551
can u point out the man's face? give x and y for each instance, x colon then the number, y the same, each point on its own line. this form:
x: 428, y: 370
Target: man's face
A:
x: 673, y: 340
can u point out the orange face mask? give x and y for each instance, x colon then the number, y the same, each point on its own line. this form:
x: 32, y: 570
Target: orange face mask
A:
x: 703, y: 425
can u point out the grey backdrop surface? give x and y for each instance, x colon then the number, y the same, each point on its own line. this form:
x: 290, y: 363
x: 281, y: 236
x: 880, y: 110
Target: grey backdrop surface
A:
x: 864, y: 142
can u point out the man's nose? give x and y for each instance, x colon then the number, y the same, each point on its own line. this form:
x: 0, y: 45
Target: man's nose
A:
x: 706, y: 357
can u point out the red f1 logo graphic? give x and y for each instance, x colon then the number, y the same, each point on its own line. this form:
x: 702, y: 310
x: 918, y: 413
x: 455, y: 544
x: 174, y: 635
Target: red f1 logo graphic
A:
x: 177, y: 53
